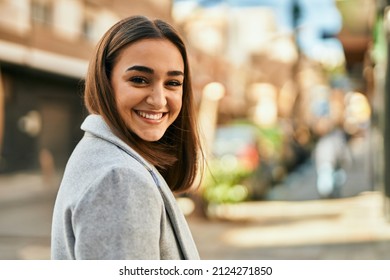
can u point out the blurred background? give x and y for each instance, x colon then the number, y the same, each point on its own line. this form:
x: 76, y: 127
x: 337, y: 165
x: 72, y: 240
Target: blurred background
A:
x: 292, y: 104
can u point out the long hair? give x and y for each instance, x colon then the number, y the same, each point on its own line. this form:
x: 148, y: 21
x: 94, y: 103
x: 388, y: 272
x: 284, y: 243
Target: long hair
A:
x: 176, y: 154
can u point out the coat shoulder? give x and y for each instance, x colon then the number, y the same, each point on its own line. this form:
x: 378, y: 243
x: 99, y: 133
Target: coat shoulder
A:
x: 98, y: 165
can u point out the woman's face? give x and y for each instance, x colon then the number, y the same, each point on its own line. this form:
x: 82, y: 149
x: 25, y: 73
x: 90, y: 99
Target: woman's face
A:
x: 147, y: 80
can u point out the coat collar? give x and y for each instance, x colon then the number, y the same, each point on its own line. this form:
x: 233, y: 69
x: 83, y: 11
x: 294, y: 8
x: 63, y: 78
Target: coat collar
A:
x: 95, y: 124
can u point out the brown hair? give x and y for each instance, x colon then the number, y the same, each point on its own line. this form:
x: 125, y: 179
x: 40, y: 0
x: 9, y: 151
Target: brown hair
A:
x: 176, y: 154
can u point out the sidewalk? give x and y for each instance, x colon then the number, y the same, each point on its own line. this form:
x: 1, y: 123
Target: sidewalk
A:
x: 24, y: 186
x: 26, y: 204
x: 342, y: 229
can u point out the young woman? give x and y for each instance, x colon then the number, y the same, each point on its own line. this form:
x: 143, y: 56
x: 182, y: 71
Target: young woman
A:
x: 140, y: 145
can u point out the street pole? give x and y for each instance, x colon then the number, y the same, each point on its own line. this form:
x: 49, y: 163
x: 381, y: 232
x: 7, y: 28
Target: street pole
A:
x: 2, y: 114
x: 387, y: 115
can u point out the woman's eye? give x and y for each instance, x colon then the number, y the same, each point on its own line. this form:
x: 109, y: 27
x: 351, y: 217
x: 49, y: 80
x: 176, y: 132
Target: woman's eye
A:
x: 138, y: 80
x: 174, y: 83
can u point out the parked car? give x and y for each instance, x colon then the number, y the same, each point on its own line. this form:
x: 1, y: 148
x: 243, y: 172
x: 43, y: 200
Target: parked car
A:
x: 235, y: 171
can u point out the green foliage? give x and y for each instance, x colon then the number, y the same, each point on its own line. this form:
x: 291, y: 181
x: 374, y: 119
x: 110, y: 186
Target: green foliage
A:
x: 224, y: 181
x: 271, y: 142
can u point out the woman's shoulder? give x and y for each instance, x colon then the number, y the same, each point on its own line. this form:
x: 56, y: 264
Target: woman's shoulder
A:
x: 113, y: 184
x: 93, y: 167
x: 96, y: 153
x: 123, y: 180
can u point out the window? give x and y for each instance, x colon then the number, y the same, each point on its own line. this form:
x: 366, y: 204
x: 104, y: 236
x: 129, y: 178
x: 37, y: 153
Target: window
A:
x: 41, y: 11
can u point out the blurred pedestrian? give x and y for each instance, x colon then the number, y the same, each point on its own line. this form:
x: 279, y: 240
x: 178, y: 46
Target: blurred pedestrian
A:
x: 331, y: 155
x: 140, y: 145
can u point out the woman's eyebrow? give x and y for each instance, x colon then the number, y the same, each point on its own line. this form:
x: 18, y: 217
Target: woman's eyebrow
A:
x: 175, y: 73
x: 141, y: 69
x: 151, y: 71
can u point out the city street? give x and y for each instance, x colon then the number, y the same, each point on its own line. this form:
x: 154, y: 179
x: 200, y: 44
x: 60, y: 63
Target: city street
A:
x: 296, y: 224
x: 293, y: 224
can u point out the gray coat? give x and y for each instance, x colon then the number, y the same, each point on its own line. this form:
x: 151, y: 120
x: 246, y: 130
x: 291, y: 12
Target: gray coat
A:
x: 112, y: 204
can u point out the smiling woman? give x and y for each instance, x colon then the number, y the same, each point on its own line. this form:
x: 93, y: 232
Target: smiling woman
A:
x: 116, y: 197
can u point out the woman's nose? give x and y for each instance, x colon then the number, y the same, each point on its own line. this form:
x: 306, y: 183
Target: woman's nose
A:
x: 156, y: 97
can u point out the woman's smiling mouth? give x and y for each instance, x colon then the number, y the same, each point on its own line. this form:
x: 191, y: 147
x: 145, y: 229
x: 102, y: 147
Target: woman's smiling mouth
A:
x: 150, y: 116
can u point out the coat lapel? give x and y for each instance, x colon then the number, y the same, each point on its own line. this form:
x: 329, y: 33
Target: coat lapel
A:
x: 179, y: 224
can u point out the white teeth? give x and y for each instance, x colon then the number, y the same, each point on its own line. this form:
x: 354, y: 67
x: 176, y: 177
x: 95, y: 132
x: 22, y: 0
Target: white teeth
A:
x: 150, y: 116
